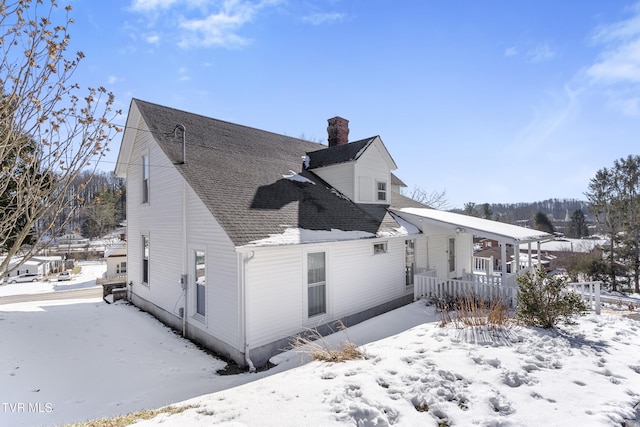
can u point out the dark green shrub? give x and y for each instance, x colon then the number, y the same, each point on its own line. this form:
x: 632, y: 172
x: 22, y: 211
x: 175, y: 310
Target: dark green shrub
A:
x: 544, y: 301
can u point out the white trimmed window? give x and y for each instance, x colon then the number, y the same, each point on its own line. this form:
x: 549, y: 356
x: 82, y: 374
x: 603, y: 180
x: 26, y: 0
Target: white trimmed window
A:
x: 121, y: 267
x: 145, y: 260
x: 201, y: 282
x: 316, y: 284
x: 382, y: 191
x: 380, y: 248
x: 145, y: 179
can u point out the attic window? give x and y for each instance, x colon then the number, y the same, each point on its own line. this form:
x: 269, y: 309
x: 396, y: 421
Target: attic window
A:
x: 380, y: 248
x: 382, y: 191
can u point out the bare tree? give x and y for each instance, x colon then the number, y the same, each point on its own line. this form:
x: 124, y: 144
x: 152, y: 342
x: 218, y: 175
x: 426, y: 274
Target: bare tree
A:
x: 434, y: 199
x: 49, y: 132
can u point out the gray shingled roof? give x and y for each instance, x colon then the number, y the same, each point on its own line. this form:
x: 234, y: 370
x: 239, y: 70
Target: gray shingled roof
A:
x: 238, y: 171
x: 338, y: 154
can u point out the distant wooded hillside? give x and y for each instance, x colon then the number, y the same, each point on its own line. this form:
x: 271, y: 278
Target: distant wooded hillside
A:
x: 557, y: 210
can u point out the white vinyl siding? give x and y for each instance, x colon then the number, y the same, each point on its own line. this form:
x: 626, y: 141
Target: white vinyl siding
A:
x: 372, y: 166
x: 355, y: 281
x: 341, y: 177
x: 169, y: 254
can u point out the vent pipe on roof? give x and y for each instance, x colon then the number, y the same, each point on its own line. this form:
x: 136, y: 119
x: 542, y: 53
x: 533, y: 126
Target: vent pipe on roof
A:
x: 184, y: 142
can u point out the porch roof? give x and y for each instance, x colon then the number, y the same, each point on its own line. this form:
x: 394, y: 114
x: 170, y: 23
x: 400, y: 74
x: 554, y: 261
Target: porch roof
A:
x: 469, y: 224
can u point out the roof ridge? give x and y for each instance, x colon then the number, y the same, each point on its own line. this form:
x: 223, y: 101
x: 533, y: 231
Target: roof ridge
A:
x: 226, y: 122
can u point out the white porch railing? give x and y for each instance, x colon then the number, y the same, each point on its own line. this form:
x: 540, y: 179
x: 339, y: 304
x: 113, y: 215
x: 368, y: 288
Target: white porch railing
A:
x: 427, y: 284
x: 590, y: 292
x: 483, y: 265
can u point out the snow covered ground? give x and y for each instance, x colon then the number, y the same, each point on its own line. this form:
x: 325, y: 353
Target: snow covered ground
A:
x: 85, y: 279
x: 65, y: 361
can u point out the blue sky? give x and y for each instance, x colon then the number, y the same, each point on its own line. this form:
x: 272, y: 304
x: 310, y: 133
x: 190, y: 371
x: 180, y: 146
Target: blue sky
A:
x: 491, y: 101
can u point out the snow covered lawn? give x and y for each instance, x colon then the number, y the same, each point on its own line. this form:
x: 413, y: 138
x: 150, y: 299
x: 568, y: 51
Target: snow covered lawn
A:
x: 586, y: 375
x: 89, y: 272
x: 68, y: 361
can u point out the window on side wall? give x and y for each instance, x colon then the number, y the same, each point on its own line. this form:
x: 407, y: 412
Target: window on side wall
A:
x: 316, y: 284
x: 382, y: 191
x: 121, y: 267
x: 380, y: 248
x: 200, y: 272
x: 145, y: 179
x: 145, y: 260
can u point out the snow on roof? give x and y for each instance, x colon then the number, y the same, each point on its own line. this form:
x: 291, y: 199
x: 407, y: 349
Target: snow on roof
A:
x: 477, y: 226
x: 294, y: 236
x: 405, y: 229
x: 572, y: 245
x: 294, y: 176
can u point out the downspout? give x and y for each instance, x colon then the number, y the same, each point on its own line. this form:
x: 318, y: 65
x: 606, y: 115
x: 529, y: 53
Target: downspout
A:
x: 243, y: 298
x: 184, y: 280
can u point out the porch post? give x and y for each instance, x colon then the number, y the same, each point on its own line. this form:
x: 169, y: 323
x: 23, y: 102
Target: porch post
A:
x: 530, y: 266
x: 539, y: 253
x: 503, y: 256
x: 516, y: 256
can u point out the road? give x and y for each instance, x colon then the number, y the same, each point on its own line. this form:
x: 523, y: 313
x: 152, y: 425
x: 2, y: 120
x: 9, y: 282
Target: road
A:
x: 48, y: 296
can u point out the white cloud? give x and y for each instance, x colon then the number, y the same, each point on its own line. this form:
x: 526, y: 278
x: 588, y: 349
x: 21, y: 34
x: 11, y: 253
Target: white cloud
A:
x: 113, y: 79
x: 617, y: 66
x: 541, y: 52
x: 200, y: 23
x: 150, y: 5
x: 153, y: 39
x: 510, y: 51
x: 324, y: 18
x: 554, y: 112
x: 183, y: 74
x: 619, y: 61
x: 219, y: 29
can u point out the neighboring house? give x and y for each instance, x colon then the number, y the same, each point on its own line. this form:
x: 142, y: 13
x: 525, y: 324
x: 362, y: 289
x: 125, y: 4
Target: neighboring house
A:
x: 116, y: 259
x: 41, y: 265
x: 71, y: 239
x: 557, y: 251
x: 243, y: 238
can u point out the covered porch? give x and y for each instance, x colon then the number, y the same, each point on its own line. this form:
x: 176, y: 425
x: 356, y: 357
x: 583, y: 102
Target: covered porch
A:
x: 448, y: 262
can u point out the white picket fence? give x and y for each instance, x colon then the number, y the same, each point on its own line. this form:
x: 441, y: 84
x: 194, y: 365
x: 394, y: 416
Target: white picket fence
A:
x: 427, y: 284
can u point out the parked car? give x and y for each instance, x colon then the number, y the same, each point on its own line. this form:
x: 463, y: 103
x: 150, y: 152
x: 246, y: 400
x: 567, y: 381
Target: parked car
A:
x: 65, y: 275
x: 28, y: 277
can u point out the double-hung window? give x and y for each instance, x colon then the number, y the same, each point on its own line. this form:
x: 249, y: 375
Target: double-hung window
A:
x: 316, y: 283
x: 409, y: 261
x: 382, y: 191
x: 145, y: 179
x: 201, y: 282
x: 121, y: 268
x: 145, y: 260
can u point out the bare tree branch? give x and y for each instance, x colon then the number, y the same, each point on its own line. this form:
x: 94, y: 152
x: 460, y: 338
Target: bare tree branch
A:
x: 434, y: 199
x: 49, y: 133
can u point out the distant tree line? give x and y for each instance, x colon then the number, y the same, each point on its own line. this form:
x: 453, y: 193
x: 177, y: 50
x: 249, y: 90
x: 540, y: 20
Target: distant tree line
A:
x: 96, y: 206
x: 614, y: 197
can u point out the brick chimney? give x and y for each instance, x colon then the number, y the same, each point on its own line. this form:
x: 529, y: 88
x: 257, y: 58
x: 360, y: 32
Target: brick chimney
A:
x: 338, y: 131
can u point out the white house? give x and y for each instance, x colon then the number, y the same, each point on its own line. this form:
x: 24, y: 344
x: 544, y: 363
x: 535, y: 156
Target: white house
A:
x: 37, y: 264
x: 116, y: 259
x: 242, y: 238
